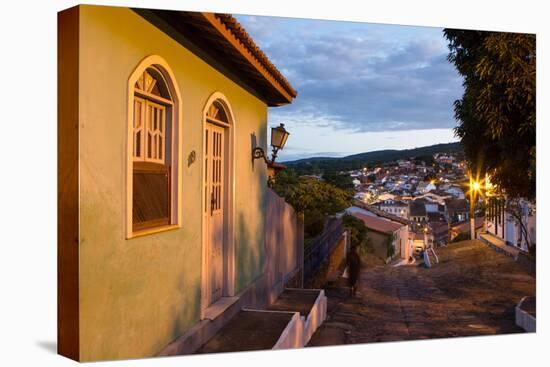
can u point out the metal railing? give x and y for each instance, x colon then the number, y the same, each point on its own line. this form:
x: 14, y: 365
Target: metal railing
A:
x: 321, y: 247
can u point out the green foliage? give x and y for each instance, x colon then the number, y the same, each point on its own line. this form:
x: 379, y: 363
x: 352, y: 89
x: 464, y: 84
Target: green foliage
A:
x: 428, y: 159
x: 315, y: 166
x: 342, y: 181
x: 320, y: 166
x: 497, y: 111
x: 371, y: 178
x: 311, y: 196
x: 358, y: 233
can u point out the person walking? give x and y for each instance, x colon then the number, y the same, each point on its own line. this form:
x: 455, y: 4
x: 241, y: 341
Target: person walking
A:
x: 354, y: 267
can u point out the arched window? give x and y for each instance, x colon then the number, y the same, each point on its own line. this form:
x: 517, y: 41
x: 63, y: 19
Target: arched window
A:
x: 154, y: 172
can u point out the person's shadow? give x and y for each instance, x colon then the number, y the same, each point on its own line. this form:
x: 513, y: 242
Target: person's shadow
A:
x: 50, y: 346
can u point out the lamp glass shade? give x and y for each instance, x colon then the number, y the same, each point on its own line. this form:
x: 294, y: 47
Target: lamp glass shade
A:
x: 279, y: 135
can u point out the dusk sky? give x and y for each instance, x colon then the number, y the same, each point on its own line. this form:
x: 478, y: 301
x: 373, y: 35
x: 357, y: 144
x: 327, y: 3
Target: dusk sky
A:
x: 361, y: 87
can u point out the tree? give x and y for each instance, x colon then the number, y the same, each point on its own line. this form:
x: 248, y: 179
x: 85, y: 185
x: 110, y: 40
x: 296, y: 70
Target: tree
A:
x: 520, y: 212
x: 311, y: 196
x: 497, y: 112
x: 426, y: 159
x: 371, y: 178
x: 358, y: 233
x: 342, y: 181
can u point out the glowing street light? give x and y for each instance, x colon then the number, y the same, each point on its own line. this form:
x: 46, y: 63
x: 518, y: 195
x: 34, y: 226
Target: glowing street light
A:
x: 475, y: 188
x: 367, y: 198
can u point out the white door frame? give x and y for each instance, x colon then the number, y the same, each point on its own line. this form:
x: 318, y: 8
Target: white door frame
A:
x: 229, y: 215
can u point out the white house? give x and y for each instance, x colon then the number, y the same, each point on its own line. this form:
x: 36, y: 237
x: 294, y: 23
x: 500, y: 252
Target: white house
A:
x: 381, y: 231
x: 456, y: 192
x: 386, y: 196
x: 395, y: 207
x: 425, y: 187
x: 503, y: 224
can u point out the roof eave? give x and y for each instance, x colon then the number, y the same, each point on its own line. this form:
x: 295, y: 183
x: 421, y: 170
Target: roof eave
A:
x: 220, y: 41
x: 286, y: 92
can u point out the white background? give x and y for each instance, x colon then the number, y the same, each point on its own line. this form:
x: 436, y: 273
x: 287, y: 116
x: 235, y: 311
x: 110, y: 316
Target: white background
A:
x: 28, y: 182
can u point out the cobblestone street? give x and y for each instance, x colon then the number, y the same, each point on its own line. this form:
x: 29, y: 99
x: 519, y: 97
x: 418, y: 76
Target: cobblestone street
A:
x: 472, y: 291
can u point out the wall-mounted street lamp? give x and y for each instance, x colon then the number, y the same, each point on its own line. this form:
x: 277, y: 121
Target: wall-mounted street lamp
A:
x: 279, y: 135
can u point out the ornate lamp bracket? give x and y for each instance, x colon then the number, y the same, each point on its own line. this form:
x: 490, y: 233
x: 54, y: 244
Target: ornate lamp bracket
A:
x: 258, y: 153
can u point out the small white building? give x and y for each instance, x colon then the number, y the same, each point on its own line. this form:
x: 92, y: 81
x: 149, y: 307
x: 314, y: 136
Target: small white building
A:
x: 456, y: 192
x: 382, y: 231
x: 395, y: 207
x: 424, y: 187
x: 437, y: 197
x: 386, y: 196
x: 501, y: 223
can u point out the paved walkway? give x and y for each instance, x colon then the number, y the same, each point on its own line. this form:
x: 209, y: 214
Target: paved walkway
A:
x: 472, y: 291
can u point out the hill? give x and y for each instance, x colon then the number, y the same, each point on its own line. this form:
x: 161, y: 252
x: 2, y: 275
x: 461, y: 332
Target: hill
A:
x: 329, y: 164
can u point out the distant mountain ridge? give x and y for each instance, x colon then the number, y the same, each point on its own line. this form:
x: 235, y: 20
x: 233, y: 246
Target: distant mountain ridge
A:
x: 355, y: 161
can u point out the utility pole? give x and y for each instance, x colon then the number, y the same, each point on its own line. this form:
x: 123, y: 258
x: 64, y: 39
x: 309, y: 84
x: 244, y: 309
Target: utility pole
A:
x: 474, y: 188
x: 472, y: 218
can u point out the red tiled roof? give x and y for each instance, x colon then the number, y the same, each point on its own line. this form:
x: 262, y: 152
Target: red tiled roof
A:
x: 457, y: 205
x: 381, y: 213
x: 242, y: 35
x: 222, y: 42
x: 378, y: 224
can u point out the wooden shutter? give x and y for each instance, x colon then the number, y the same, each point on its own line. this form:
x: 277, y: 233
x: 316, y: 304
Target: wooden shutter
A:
x: 151, y: 195
x: 151, y: 190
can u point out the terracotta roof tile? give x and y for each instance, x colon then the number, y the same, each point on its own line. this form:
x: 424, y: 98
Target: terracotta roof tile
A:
x: 373, y: 209
x: 242, y: 35
x: 457, y: 205
x: 378, y: 224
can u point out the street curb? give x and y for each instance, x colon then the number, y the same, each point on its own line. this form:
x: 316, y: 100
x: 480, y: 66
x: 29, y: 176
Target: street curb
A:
x: 524, y: 319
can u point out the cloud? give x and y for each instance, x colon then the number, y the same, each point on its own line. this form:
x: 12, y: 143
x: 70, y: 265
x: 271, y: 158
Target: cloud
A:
x: 360, y: 77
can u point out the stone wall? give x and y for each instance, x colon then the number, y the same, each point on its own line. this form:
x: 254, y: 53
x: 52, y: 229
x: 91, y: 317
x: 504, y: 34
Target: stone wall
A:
x: 331, y: 268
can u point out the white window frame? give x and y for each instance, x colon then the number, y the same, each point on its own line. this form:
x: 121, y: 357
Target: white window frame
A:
x: 176, y: 138
x: 158, y: 135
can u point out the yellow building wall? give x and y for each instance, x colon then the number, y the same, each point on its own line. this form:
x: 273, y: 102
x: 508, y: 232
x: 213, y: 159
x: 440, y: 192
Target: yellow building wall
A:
x: 379, y: 243
x: 138, y: 295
